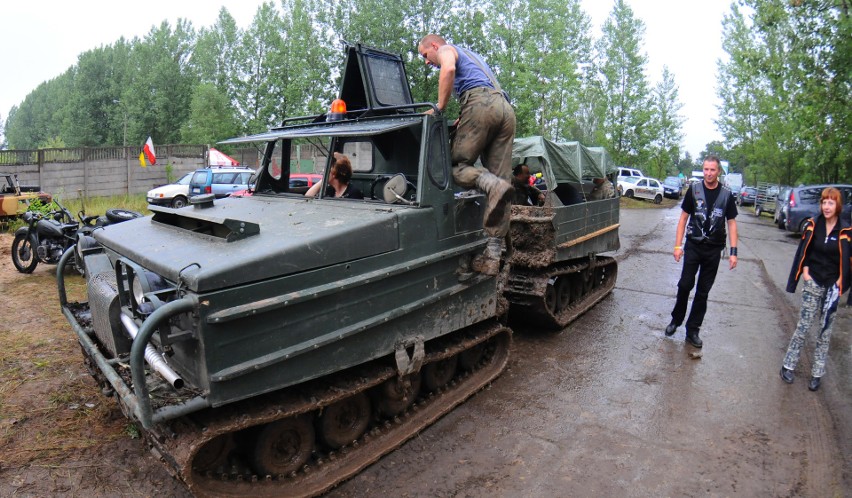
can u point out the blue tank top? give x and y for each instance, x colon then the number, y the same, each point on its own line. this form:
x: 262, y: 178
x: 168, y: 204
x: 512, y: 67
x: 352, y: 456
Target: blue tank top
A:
x: 468, y: 74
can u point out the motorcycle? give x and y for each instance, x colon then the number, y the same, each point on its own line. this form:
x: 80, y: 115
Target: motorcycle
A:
x: 47, y: 236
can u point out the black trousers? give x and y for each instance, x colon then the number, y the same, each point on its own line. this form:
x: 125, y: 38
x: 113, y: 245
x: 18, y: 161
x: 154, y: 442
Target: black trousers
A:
x: 701, y: 259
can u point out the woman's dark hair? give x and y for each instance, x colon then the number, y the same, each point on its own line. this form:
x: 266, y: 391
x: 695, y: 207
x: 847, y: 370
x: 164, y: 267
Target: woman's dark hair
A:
x: 342, y: 168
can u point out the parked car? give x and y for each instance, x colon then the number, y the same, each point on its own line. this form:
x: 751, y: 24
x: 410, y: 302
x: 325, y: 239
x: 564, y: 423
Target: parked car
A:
x: 779, y: 218
x: 629, y: 172
x: 643, y: 188
x: 672, y: 187
x: 747, y: 196
x: 803, y: 203
x: 220, y: 182
x: 301, y: 182
x: 175, y: 194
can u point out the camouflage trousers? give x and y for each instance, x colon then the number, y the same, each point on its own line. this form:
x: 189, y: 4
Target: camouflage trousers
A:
x: 486, y: 131
x: 813, y: 301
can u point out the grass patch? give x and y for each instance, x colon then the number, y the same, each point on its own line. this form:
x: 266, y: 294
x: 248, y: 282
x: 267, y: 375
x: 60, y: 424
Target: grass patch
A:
x: 91, y: 205
x: 628, y: 203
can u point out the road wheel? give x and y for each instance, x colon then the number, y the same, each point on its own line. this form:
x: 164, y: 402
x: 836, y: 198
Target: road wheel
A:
x: 469, y: 358
x: 24, y: 253
x: 802, y: 225
x: 629, y: 194
x: 658, y: 199
x: 344, y: 421
x: 394, y: 396
x: 214, y: 454
x: 119, y: 215
x: 757, y: 211
x: 438, y: 373
x: 283, y: 446
x: 179, y: 202
x: 551, y: 295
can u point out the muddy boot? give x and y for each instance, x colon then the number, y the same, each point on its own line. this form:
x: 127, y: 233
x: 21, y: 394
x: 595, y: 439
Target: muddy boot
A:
x: 488, y: 263
x: 499, y: 193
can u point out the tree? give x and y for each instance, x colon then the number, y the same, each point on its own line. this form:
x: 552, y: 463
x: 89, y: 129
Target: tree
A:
x: 785, y: 89
x: 667, y: 126
x: 625, y: 105
x: 211, y: 117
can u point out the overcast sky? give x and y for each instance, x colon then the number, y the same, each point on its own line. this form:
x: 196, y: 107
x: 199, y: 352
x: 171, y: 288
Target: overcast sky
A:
x: 40, y: 40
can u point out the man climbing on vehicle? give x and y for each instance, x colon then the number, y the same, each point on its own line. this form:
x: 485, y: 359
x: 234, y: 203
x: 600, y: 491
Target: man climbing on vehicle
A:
x: 486, y: 130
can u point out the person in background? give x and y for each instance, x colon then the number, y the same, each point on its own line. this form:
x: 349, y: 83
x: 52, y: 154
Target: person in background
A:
x: 338, y: 181
x: 525, y: 193
x: 707, y: 205
x: 603, y: 189
x: 822, y: 261
x: 486, y: 130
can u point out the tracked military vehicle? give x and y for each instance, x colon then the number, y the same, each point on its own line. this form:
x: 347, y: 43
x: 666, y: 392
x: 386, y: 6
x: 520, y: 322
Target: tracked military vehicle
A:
x: 557, y: 271
x: 273, y: 344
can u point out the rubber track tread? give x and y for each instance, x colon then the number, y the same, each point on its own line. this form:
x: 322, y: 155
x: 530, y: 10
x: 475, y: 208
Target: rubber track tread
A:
x: 178, y: 443
x: 528, y: 298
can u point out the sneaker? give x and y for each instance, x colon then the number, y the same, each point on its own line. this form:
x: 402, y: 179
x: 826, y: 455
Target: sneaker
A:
x: 787, y: 375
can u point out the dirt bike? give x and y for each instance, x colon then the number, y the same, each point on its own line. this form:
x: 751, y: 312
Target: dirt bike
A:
x: 47, y: 236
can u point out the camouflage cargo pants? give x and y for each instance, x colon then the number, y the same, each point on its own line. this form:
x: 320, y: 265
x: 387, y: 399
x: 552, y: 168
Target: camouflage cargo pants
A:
x: 813, y: 297
x: 486, y: 131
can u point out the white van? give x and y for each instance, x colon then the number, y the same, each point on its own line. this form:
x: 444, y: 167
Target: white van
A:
x: 628, y: 172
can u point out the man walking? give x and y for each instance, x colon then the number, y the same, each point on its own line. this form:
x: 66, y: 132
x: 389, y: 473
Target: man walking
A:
x: 707, y: 205
x: 486, y: 130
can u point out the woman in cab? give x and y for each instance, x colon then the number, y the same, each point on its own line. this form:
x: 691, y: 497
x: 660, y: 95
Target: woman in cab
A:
x: 338, y: 181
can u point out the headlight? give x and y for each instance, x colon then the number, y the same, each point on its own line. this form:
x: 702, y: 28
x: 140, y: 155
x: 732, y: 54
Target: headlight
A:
x: 138, y: 291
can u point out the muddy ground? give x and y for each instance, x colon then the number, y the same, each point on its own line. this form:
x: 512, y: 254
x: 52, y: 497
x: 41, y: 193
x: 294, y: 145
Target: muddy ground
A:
x: 608, y: 407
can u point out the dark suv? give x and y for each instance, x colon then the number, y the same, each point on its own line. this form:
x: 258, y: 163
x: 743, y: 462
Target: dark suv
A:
x: 804, y: 203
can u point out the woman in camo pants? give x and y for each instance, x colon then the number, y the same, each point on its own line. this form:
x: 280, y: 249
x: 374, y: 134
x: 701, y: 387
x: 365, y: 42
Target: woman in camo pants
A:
x: 822, y: 261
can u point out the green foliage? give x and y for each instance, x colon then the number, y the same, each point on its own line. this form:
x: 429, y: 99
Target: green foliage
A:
x: 625, y: 110
x: 785, y: 90
x: 37, y: 205
x: 666, y: 125
x: 170, y: 173
x: 211, y: 117
x: 132, y: 431
x: 179, y: 83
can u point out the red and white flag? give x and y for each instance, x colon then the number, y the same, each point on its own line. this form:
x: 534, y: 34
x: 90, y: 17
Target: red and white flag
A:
x: 148, y: 150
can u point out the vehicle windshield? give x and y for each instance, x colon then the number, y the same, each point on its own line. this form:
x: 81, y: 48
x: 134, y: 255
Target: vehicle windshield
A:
x: 631, y: 179
x: 674, y: 182
x: 184, y: 180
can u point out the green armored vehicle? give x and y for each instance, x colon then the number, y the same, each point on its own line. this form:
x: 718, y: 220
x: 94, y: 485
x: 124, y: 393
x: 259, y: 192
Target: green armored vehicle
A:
x: 274, y: 344
x: 278, y: 344
x: 557, y: 272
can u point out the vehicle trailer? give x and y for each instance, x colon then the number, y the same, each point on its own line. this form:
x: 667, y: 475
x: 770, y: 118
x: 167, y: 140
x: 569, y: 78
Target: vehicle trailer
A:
x: 279, y: 344
x: 557, y: 272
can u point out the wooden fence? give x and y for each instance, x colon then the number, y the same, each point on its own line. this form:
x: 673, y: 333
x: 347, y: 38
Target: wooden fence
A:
x: 106, y: 171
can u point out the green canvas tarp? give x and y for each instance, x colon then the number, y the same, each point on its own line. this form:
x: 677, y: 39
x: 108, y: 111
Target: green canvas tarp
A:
x: 561, y: 162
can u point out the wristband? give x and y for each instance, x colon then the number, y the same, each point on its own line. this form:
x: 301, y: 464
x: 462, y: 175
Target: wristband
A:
x: 678, y: 247
x: 733, y: 251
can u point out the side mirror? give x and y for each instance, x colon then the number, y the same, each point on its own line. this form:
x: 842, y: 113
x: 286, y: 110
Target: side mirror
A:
x: 395, y: 189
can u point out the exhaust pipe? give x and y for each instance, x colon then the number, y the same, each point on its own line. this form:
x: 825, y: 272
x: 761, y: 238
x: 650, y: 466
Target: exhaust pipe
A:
x: 152, y: 356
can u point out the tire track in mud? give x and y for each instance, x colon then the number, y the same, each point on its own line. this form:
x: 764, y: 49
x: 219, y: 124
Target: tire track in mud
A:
x: 820, y: 461
x: 820, y: 467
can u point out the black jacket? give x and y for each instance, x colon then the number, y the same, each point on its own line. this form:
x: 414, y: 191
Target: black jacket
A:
x: 844, y: 240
